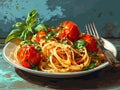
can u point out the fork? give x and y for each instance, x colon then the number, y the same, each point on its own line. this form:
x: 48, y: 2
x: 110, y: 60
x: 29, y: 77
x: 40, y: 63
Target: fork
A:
x: 92, y: 30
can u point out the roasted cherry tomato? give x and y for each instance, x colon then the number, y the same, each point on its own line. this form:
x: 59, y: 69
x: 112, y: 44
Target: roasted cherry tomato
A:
x: 29, y: 56
x: 91, y: 42
x: 68, y: 29
x: 39, y: 36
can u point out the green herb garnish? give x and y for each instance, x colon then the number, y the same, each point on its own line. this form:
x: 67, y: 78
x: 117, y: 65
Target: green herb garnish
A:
x: 51, y: 34
x: 29, y: 42
x: 79, y: 44
x: 93, y: 55
x: 91, y: 66
x: 24, y: 29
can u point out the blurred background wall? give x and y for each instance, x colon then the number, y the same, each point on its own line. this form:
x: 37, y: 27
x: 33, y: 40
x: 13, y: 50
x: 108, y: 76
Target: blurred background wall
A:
x: 105, y: 13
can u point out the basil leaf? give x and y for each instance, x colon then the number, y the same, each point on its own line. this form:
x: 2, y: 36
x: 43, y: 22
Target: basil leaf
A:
x: 79, y: 44
x: 13, y: 34
x: 41, y: 27
x: 25, y: 34
x: 32, y: 18
x: 20, y: 25
x: 22, y: 36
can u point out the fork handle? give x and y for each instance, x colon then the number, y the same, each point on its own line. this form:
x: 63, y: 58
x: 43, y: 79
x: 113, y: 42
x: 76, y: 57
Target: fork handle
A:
x: 111, y: 58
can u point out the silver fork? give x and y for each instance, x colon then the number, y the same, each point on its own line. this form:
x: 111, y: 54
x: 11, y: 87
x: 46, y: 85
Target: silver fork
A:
x: 91, y: 29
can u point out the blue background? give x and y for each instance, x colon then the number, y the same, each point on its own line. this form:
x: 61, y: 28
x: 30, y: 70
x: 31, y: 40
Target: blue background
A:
x: 105, y: 13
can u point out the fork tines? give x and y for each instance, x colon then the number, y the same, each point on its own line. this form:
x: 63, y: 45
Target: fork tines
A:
x: 91, y: 29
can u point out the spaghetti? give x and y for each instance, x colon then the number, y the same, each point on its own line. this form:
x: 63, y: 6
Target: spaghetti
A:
x: 62, y: 57
x: 59, y: 57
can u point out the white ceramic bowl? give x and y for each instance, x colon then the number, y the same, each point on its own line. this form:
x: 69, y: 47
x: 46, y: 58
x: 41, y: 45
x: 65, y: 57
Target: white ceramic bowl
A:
x: 8, y: 52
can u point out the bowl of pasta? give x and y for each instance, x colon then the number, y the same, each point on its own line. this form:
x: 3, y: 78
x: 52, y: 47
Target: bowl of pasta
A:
x: 60, y: 52
x: 8, y: 55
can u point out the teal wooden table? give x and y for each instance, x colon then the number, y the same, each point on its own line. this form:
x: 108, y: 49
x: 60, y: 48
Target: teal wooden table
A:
x: 12, y: 78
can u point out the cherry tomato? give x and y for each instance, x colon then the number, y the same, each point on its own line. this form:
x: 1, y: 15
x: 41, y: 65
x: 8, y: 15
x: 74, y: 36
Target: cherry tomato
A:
x: 29, y: 56
x: 68, y: 29
x: 91, y: 42
x: 39, y: 36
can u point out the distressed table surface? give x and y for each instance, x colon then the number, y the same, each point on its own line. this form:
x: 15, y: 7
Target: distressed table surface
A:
x: 13, y: 78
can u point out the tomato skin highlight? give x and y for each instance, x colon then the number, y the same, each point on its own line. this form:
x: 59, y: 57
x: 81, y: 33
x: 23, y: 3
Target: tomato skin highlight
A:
x: 29, y: 56
x: 68, y: 29
x: 91, y: 42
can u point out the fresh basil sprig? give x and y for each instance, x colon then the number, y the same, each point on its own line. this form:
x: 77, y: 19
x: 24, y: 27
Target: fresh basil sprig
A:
x: 24, y: 29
